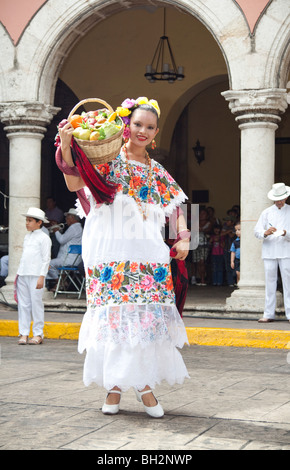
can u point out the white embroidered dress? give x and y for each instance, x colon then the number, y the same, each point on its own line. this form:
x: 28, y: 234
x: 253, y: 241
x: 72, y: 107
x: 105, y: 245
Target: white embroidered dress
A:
x: 132, y: 328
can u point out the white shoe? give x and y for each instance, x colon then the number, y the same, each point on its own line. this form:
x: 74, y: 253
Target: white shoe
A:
x: 111, y: 409
x: 153, y: 411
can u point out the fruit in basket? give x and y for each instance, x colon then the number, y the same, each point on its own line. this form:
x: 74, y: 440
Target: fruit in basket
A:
x: 110, y: 129
x: 95, y: 125
x: 91, y: 122
x: 76, y: 120
x: 82, y: 133
x: 95, y: 135
x: 112, y: 117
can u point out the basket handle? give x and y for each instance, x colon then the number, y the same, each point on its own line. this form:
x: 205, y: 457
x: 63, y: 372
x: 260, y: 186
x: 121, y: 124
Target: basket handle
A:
x: 98, y: 100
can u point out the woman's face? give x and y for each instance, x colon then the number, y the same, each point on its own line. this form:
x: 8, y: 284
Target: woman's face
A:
x: 143, y: 127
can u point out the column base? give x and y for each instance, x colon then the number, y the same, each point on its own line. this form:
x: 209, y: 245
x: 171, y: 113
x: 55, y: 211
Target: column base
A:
x: 250, y: 299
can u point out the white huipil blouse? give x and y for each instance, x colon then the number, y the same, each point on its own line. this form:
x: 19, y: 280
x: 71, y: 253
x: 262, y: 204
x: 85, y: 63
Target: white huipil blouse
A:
x: 132, y: 328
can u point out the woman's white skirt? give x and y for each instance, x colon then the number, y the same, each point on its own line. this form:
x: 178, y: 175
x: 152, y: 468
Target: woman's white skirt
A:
x: 133, y: 346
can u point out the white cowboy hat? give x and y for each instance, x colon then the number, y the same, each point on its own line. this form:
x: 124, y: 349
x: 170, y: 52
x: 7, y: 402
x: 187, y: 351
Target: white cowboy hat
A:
x: 278, y: 192
x: 72, y: 212
x: 36, y: 213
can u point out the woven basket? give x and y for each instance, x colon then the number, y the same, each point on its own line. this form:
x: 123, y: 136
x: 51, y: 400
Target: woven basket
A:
x: 99, y: 151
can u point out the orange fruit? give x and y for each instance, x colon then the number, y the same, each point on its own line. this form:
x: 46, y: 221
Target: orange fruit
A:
x: 112, y: 117
x: 76, y: 120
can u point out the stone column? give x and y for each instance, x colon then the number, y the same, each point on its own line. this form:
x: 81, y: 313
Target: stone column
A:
x: 257, y: 114
x: 25, y: 126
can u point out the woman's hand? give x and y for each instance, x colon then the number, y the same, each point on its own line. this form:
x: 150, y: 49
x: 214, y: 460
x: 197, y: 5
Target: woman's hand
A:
x: 65, y: 134
x: 181, y: 248
x: 65, y: 130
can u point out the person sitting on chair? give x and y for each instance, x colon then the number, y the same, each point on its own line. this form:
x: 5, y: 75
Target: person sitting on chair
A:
x: 72, y: 236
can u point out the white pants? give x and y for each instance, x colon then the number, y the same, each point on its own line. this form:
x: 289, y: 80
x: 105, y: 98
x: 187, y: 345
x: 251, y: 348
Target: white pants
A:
x: 271, y: 275
x: 30, y: 304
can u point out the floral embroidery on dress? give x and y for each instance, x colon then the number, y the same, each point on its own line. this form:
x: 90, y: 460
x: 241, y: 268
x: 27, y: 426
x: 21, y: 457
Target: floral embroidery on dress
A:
x: 116, y: 283
x: 164, y: 188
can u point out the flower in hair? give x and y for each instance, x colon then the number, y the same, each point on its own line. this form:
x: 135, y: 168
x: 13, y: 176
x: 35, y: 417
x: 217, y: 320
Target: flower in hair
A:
x: 126, y: 120
x: 155, y: 105
x: 126, y: 133
x: 128, y: 103
x: 123, y: 112
x: 142, y: 100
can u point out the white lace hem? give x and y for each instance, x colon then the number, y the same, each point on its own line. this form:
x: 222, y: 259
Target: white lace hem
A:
x: 115, y: 365
x: 132, y: 325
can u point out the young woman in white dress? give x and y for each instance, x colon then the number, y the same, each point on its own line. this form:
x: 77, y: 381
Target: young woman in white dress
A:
x: 132, y: 328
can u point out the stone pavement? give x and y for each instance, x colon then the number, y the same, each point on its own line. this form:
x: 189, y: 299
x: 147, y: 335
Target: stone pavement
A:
x: 236, y: 398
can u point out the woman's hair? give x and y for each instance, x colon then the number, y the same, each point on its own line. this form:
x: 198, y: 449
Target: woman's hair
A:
x: 146, y: 107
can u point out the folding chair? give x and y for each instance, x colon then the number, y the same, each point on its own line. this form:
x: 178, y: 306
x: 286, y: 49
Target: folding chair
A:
x: 70, y: 278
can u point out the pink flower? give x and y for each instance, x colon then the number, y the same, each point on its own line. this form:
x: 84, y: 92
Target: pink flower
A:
x: 147, y: 282
x: 128, y: 103
x: 126, y: 133
x: 93, y: 286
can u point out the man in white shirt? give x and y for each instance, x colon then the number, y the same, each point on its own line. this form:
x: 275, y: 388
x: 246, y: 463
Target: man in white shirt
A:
x: 72, y: 236
x: 273, y: 227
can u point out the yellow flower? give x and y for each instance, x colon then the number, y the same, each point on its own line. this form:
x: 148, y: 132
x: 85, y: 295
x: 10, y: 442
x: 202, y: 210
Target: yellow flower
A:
x: 142, y: 100
x: 120, y: 267
x: 155, y: 105
x: 123, y: 112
